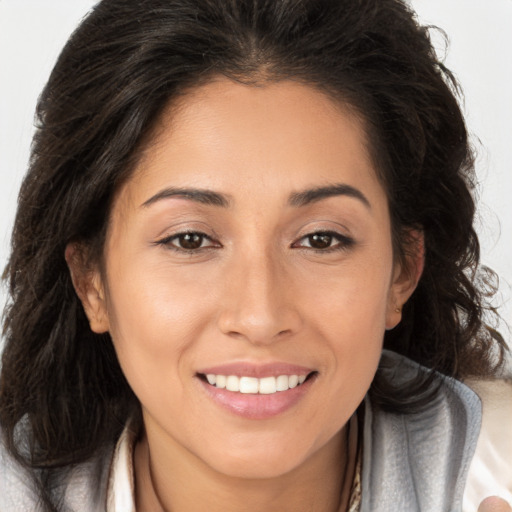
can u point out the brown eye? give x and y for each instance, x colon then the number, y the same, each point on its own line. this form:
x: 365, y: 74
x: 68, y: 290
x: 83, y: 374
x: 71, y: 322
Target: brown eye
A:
x: 190, y: 241
x: 325, y: 241
x: 320, y: 240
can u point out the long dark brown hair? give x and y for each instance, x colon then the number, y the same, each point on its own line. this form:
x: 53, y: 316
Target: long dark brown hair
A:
x: 126, y: 62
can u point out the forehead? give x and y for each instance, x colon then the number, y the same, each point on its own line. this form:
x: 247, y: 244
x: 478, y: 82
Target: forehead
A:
x: 229, y: 135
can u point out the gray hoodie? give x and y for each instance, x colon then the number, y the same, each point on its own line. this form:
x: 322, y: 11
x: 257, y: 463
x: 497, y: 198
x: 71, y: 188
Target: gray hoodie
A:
x: 411, y: 463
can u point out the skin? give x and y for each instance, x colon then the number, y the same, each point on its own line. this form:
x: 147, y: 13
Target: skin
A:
x: 494, y: 504
x: 255, y: 291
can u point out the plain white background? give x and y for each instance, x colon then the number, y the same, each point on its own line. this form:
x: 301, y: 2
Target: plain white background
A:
x: 32, y: 32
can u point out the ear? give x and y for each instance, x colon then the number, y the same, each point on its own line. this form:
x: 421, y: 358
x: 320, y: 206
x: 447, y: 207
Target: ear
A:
x: 89, y: 287
x: 406, y: 275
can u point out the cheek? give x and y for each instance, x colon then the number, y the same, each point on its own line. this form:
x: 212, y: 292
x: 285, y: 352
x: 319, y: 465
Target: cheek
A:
x: 352, y: 299
x: 348, y: 313
x: 155, y: 321
x: 160, y: 298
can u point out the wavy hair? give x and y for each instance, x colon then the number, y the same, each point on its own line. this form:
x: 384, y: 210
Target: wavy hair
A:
x: 129, y: 59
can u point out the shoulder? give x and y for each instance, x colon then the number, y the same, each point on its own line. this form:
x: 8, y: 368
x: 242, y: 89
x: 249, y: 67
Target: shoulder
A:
x: 490, y: 473
x: 16, y: 492
x: 80, y: 487
x: 419, y: 461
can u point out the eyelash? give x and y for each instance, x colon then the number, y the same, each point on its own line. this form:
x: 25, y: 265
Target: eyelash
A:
x: 167, y: 242
x: 343, y: 242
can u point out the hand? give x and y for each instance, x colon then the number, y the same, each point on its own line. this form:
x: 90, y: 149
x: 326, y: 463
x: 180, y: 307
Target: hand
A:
x: 494, y: 504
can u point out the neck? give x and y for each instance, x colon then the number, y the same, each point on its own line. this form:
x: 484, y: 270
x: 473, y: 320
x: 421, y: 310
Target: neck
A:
x: 185, y: 484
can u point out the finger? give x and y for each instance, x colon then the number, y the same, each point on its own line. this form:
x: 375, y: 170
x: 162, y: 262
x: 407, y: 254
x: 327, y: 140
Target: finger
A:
x: 494, y: 504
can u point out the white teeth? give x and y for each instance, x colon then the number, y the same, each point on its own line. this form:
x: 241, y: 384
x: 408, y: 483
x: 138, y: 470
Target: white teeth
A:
x: 293, y: 381
x: 248, y: 385
x: 232, y: 383
x: 267, y: 386
x: 253, y: 385
x: 220, y: 381
x: 282, y: 383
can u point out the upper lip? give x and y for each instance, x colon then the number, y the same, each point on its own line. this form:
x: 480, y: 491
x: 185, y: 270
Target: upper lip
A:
x: 246, y: 369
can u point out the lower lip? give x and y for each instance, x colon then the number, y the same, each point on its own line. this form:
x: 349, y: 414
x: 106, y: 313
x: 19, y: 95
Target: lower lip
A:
x: 256, y: 406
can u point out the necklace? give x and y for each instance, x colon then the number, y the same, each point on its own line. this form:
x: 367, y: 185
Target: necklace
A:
x: 351, y: 490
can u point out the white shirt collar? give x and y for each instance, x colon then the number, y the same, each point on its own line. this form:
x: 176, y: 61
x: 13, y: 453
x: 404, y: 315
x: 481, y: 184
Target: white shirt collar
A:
x: 121, y: 487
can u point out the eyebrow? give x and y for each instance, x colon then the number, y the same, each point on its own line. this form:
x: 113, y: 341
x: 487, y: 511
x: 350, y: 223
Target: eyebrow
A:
x: 297, y: 199
x: 312, y: 195
x: 203, y: 196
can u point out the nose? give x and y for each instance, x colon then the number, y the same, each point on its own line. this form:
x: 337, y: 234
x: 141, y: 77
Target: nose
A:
x: 259, y: 305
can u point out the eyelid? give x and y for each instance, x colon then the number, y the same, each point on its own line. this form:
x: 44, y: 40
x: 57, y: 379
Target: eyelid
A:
x: 167, y: 239
x: 344, y: 242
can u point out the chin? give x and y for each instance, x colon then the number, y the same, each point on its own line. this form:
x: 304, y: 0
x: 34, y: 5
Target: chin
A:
x: 261, y: 468
x: 261, y: 459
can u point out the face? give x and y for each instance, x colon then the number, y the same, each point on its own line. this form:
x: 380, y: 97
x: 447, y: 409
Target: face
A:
x: 250, y: 250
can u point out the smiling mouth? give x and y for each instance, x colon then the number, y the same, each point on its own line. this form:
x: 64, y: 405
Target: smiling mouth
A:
x: 254, y: 385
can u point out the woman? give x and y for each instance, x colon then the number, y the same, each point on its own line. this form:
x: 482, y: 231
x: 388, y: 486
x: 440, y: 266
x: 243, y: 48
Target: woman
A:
x: 232, y: 208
